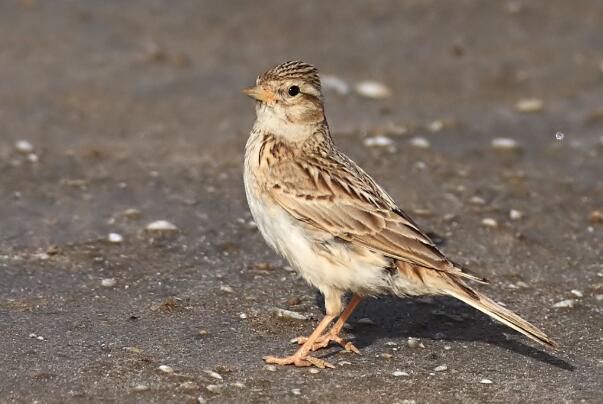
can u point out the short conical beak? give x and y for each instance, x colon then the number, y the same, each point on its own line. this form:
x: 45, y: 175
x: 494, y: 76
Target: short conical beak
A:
x: 259, y: 93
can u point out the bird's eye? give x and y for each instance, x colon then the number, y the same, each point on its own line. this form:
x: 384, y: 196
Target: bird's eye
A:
x: 293, y: 91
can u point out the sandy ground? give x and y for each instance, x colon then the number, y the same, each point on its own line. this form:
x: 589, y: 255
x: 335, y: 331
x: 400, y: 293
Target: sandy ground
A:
x: 134, y: 115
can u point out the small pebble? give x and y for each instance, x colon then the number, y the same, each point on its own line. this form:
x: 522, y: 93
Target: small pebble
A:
x: 108, y: 282
x: 399, y: 373
x: 440, y: 368
x: 529, y: 105
x: 161, y: 225
x: 314, y: 371
x: 131, y: 213
x: 599, y: 298
x: 23, y: 146
x: 577, y: 293
x: 435, y: 126
x: 378, y: 141
x: 414, y: 343
x: 33, y: 158
x: 243, y: 316
x: 344, y: 363
x: 270, y: 368
x: 447, y: 347
x: 596, y: 216
x: 386, y: 355
x: 296, y: 392
x: 372, y: 89
x: 515, y: 214
x: 201, y: 400
x: 489, y: 222
x: 486, y: 381
x: 140, y: 387
x: 335, y: 83
x: 239, y: 385
x: 40, y: 338
x: 568, y: 303
x: 504, y: 143
x: 365, y: 321
x: 189, y: 385
x: 391, y: 343
x: 289, y: 314
x: 476, y: 200
x: 213, y: 374
x: 227, y: 289
x: 203, y: 333
x: 115, y: 238
x: 420, y: 142
x: 215, y: 388
x: 166, y: 369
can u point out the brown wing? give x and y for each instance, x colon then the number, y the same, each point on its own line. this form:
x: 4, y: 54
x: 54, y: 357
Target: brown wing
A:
x: 335, y: 195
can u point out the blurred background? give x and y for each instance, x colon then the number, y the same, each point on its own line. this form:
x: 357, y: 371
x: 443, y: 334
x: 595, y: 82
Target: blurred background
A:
x: 484, y: 119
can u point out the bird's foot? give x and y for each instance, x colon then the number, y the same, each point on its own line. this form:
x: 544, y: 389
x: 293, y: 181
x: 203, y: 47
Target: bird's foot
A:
x: 324, y: 340
x: 299, y: 360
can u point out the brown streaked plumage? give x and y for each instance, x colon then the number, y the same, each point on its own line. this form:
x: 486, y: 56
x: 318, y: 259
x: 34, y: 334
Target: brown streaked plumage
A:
x: 332, y: 221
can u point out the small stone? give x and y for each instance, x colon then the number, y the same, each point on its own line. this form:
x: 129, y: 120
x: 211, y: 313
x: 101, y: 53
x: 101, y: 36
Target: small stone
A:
x: 203, y: 333
x: 243, y: 316
x: 40, y: 338
x: 486, y: 381
x: 227, y: 289
x: 568, y: 303
x: 477, y: 200
x: 529, y: 105
x: 344, y: 363
x: 413, y: 343
x: 213, y: 374
x: 314, y: 371
x: 378, y: 141
x: 108, y: 282
x: 447, y: 347
x: 33, y: 158
x: 577, y: 293
x: 504, y: 143
x: 599, y: 298
x: 166, y: 369
x: 189, y: 385
x: 372, y: 89
x: 399, y: 373
x: 289, y: 314
x: 596, y: 216
x: 521, y: 284
x: 515, y: 214
x: 420, y: 142
x: 440, y: 368
x: 115, y: 238
x: 201, y: 400
x: 131, y: 213
x: 334, y: 83
x: 293, y: 301
x: 296, y: 392
x: 489, y: 222
x: 140, y: 387
x: 23, y: 146
x: 238, y: 385
x: 435, y: 126
x: 215, y: 388
x: 365, y: 321
x: 386, y: 355
x: 270, y: 368
x: 161, y: 225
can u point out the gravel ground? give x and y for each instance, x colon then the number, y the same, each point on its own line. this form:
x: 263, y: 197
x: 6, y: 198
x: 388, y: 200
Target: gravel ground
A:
x: 130, y: 112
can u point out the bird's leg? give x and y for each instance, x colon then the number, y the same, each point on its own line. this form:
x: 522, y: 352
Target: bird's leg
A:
x: 302, y: 356
x: 333, y: 335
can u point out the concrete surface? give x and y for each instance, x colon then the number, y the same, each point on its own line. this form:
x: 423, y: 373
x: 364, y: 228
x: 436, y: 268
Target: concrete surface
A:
x: 136, y: 105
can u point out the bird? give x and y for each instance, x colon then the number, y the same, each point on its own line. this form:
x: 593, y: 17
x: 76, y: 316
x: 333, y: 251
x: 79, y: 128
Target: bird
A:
x: 333, y: 223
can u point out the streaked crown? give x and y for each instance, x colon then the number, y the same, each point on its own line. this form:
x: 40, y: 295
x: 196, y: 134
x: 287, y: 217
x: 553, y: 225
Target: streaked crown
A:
x: 294, y: 69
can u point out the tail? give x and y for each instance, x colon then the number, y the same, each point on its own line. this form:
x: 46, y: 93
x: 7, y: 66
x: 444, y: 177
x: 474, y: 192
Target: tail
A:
x: 438, y: 282
x: 496, y: 311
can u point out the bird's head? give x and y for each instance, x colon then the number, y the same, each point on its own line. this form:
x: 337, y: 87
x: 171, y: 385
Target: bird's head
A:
x: 289, y: 99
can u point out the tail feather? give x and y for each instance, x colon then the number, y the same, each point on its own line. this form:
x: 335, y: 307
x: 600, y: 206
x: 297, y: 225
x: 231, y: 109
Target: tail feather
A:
x: 439, y: 282
x: 507, y: 317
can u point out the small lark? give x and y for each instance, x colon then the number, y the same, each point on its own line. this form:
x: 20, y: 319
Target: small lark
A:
x: 331, y: 220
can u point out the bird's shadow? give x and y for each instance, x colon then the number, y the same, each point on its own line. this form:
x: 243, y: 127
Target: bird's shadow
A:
x: 441, y: 318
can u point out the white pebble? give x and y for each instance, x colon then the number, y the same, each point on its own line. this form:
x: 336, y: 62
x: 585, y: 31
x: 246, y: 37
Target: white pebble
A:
x: 568, y: 303
x: 504, y: 143
x: 577, y: 293
x: 213, y: 374
x: 420, y: 142
x: 515, y: 214
x: 115, y: 238
x: 372, y: 89
x: 33, y: 158
x: 270, y: 368
x: 335, y: 83
x: 108, y: 282
x: 296, y: 392
x: 378, y: 141
x: 435, y: 126
x: 414, y: 343
x: 399, y: 373
x: 243, y: 316
x: 289, y: 314
x: 40, y: 338
x: 239, y: 385
x: 140, y: 387
x: 314, y: 371
x: 486, y: 381
x: 166, y: 369
x: 161, y: 225
x: 365, y: 321
x: 489, y: 222
x: 23, y: 146
x: 440, y: 368
x: 227, y: 289
x: 477, y: 200
x: 344, y: 363
x: 529, y: 105
x: 215, y: 388
x: 201, y: 400
x: 599, y: 298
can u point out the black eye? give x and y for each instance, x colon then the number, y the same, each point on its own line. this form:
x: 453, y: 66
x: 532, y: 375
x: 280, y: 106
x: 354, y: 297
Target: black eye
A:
x: 293, y: 91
